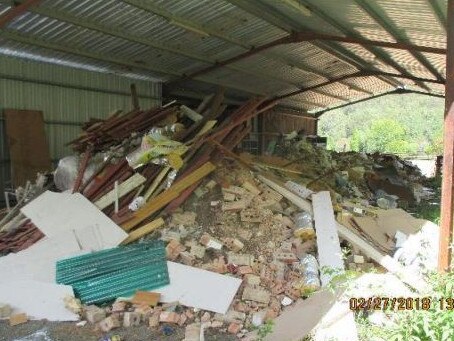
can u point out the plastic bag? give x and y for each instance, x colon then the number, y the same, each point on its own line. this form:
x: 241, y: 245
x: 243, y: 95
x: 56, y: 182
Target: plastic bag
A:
x: 157, y: 149
x: 66, y: 173
x: 40, y: 335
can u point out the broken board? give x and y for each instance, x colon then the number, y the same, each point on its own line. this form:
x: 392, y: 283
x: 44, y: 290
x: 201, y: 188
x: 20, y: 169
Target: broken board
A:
x: 54, y: 213
x: 199, y: 288
x: 329, y: 250
x: 38, y: 300
x: 28, y: 148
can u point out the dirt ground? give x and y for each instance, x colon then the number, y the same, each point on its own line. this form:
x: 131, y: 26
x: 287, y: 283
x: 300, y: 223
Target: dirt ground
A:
x: 68, y: 331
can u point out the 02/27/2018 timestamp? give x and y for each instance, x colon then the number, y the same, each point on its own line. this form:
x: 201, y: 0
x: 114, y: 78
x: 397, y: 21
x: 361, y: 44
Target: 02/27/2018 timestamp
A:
x: 401, y: 303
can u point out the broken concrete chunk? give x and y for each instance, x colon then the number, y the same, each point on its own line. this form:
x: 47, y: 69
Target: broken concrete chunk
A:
x: 185, y: 219
x: 234, y: 328
x: 358, y: 259
x: 286, y: 257
x: 193, y: 332
x: 211, y: 184
x: 187, y: 258
x: 131, y: 319
x: 5, y: 310
x: 109, y: 323
x: 233, y: 244
x: 200, y: 192
x: 251, y: 215
x: 94, y: 314
x: 258, y: 318
x: 210, y: 242
x: 235, y: 206
x: 205, y: 317
x: 231, y: 316
x: 16, y: 319
x: 235, y: 190
x: 169, y: 317
x: 240, y: 259
x: 244, y: 270
x: 249, y: 186
x: 167, y: 236
x: 198, y: 251
x: 144, y: 311
x: 256, y: 294
x: 252, y: 279
x: 228, y: 196
x: 173, y: 249
x: 271, y: 194
x: 300, y: 190
x: 153, y: 321
x: 119, y: 307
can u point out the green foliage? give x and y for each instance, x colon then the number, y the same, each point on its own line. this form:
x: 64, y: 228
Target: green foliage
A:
x: 265, y: 329
x: 435, y: 324
x: 396, y: 124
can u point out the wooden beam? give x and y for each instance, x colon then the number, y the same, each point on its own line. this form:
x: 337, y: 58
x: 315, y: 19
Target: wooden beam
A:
x: 143, y: 231
x: 16, y: 11
x: 447, y: 193
x: 124, y: 188
x: 167, y: 196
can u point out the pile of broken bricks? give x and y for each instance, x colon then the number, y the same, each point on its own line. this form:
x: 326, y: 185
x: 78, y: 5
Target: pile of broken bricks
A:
x: 250, y: 220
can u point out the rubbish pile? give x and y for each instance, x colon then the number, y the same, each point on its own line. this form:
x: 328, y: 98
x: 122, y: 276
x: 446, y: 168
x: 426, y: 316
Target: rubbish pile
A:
x: 158, y: 222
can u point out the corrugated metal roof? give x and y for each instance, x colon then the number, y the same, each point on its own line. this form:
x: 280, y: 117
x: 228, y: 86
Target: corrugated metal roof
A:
x: 169, y: 39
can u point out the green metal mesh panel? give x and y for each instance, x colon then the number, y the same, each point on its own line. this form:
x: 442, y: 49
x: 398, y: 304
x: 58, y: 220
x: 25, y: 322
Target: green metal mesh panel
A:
x: 105, y: 275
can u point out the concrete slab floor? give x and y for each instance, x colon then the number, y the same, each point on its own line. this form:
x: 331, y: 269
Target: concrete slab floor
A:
x: 68, y: 331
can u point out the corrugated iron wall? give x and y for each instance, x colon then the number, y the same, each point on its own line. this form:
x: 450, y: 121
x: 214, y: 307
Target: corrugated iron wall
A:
x: 276, y: 123
x: 67, y: 97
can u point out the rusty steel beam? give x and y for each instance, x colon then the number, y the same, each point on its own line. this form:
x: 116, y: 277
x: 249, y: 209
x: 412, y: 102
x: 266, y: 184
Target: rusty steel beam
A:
x: 299, y: 37
x: 381, y: 17
x: 308, y: 36
x: 447, y: 194
x: 439, y: 13
x: 410, y: 77
x: 15, y: 11
x: 392, y: 92
x: 251, y: 52
x: 363, y: 73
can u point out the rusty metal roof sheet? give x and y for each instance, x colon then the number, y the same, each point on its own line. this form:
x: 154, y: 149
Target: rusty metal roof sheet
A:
x: 170, y: 39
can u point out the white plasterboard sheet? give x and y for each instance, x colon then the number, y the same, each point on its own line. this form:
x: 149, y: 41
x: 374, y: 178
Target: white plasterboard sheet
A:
x: 38, y: 261
x: 328, y: 245
x: 38, y: 300
x: 199, y: 288
x: 54, y: 213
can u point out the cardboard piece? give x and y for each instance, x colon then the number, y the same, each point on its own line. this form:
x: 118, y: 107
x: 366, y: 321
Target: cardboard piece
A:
x: 54, y: 213
x: 199, y: 288
x: 38, y: 300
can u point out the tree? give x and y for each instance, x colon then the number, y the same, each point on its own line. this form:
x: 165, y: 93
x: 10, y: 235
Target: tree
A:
x: 387, y: 136
x: 420, y: 117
